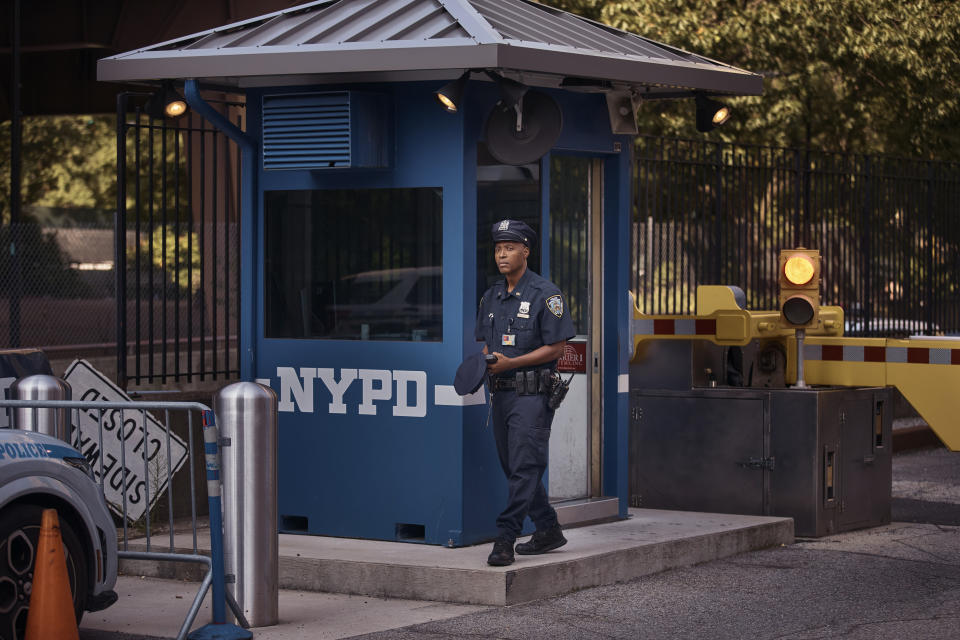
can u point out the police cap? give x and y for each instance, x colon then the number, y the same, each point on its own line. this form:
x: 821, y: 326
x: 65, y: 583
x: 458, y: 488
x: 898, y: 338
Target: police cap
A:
x: 513, y: 231
x: 470, y: 374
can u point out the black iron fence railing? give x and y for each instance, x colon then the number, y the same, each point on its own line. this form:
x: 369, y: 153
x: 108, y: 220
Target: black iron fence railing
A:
x: 704, y: 213
x: 177, y: 248
x: 888, y: 230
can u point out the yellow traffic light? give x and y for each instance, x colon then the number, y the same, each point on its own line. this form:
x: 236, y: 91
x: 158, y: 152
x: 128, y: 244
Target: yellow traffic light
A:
x: 799, y: 288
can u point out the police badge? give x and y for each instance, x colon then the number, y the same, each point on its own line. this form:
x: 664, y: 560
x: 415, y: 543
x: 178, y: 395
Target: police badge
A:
x: 555, y: 304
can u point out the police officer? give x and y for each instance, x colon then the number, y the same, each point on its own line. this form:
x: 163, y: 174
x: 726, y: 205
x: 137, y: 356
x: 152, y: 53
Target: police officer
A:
x: 524, y: 322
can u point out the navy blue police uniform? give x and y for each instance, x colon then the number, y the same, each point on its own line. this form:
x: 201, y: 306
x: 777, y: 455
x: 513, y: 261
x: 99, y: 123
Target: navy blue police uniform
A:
x: 514, y: 323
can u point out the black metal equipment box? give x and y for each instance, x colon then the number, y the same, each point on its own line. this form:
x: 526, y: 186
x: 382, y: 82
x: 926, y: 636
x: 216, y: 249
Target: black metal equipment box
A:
x: 821, y: 456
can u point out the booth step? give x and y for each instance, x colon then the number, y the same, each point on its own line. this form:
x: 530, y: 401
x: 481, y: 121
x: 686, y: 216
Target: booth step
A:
x: 649, y: 541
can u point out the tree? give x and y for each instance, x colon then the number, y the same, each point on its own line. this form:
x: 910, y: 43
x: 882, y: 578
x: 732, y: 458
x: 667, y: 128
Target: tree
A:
x: 68, y: 161
x: 868, y: 76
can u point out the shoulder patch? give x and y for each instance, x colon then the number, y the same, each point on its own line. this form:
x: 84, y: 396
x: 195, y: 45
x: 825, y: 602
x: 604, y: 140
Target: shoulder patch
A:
x: 555, y: 304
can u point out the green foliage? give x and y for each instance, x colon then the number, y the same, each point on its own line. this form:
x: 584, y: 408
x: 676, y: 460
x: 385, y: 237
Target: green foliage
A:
x: 67, y: 161
x: 175, y: 256
x: 866, y: 76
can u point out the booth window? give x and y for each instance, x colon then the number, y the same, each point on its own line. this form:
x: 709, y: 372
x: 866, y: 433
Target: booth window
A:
x: 354, y: 264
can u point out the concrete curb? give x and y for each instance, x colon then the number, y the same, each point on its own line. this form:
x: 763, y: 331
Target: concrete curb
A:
x: 598, y: 555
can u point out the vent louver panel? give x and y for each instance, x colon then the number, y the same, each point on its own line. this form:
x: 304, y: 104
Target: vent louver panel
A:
x: 307, y: 131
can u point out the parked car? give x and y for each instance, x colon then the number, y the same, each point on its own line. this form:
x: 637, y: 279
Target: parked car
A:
x: 39, y: 472
x: 889, y: 327
x: 386, y: 304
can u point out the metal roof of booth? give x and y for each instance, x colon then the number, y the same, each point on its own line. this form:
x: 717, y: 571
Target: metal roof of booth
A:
x: 394, y: 40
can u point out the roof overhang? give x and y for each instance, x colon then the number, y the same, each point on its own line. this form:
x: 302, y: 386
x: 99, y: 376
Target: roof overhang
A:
x: 291, y: 47
x: 251, y: 66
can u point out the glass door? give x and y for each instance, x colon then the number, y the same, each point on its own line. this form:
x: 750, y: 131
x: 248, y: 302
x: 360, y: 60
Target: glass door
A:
x: 575, y: 265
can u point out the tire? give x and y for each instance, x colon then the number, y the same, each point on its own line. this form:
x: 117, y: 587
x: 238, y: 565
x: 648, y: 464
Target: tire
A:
x: 19, y: 532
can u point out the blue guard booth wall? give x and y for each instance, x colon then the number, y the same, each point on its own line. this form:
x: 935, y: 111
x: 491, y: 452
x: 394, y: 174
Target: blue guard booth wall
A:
x: 415, y: 466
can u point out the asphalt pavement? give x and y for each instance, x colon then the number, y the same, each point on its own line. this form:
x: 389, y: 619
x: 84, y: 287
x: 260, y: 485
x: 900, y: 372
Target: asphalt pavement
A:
x: 898, y: 581
x: 893, y: 582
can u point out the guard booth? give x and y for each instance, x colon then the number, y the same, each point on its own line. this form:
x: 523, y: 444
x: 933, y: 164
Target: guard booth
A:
x: 366, y: 214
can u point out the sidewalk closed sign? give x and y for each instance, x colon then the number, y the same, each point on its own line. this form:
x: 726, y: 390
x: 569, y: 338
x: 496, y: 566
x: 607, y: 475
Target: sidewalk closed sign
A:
x: 133, y: 456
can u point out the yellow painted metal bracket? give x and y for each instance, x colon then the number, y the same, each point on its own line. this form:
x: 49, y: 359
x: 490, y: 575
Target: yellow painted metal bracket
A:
x: 722, y: 322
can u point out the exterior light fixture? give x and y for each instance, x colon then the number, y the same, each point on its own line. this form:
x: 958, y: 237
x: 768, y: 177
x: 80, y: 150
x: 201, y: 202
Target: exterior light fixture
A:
x: 166, y: 103
x: 449, y: 95
x: 710, y: 113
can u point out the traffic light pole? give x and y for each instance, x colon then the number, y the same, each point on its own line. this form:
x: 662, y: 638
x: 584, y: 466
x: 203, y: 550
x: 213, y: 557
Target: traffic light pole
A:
x: 801, y: 383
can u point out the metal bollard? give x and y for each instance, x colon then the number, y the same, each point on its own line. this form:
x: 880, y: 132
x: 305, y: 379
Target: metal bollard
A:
x: 247, y: 415
x: 53, y: 422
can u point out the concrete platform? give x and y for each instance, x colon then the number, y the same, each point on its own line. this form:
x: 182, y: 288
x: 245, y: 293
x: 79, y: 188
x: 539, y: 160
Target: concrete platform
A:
x: 649, y: 541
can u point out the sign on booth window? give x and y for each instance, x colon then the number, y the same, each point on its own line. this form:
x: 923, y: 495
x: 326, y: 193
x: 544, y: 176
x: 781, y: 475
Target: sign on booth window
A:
x: 574, y: 358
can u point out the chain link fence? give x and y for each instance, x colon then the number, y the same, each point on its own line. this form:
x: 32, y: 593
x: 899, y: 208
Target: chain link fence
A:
x: 57, y: 287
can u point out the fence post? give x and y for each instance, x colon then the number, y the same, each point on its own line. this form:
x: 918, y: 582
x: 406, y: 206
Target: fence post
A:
x: 928, y: 280
x: 16, y: 179
x: 120, y: 241
x: 717, y: 210
x: 219, y: 628
x: 797, y: 199
x: 866, y: 303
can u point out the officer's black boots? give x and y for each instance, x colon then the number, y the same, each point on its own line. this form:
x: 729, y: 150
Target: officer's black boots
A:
x: 542, y: 541
x: 502, y: 553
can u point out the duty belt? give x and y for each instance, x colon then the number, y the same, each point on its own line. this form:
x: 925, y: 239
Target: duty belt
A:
x: 504, y: 384
x: 523, y: 381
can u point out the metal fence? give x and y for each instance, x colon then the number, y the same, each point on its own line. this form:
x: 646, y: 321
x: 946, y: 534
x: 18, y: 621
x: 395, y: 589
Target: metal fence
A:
x: 713, y: 213
x: 178, y: 254
x: 139, y: 462
x: 163, y: 292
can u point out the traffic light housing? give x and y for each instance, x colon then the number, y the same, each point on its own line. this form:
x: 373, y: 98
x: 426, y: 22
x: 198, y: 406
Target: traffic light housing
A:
x: 799, y: 302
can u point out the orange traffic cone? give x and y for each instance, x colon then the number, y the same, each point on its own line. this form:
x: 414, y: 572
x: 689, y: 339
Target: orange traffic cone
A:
x: 51, y: 615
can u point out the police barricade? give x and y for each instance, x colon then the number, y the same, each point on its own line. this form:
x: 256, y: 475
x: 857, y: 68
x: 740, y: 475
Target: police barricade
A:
x: 134, y: 456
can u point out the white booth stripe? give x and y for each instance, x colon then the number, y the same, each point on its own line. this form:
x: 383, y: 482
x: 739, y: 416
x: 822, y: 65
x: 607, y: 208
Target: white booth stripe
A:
x: 445, y: 394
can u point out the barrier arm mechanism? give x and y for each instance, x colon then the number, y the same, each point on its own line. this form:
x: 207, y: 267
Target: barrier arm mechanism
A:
x: 248, y: 198
x: 925, y: 370
x: 722, y: 322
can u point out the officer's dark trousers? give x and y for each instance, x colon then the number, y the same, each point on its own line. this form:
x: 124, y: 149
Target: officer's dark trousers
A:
x: 521, y: 427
